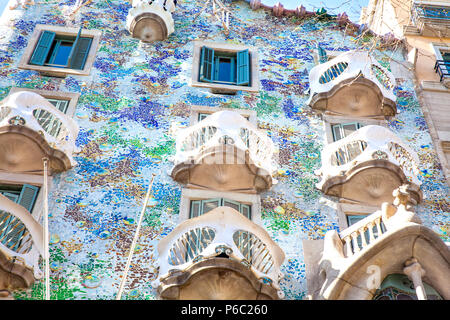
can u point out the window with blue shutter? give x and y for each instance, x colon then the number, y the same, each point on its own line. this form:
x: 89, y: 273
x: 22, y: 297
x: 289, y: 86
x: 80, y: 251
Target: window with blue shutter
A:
x: 61, y: 51
x: 207, y: 65
x: 11, y: 228
x: 225, y: 67
x: 322, y: 54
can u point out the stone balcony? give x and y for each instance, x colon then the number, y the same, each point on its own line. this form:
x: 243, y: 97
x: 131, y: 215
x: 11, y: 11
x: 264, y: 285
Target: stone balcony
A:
x: 352, y: 84
x: 151, y: 20
x: 367, y: 166
x: 355, y: 261
x: 31, y: 129
x: 224, y: 152
x: 21, y: 244
x: 219, y: 255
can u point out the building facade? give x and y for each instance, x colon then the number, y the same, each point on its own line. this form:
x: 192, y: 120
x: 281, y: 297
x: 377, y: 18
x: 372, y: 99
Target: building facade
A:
x: 261, y: 153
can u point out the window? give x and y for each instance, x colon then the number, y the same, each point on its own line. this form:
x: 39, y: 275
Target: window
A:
x: 442, y: 66
x: 199, y: 207
x: 224, y: 67
x: 58, y: 51
x: 242, y: 239
x: 352, y: 150
x: 47, y: 120
x: 399, y: 287
x: 342, y: 130
x: 244, y: 131
x: 61, y: 51
x: 63, y: 101
x: 12, y: 230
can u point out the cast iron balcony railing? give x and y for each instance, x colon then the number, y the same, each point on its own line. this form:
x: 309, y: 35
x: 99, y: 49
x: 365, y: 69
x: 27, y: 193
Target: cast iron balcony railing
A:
x: 32, y: 111
x: 442, y: 68
x: 221, y: 231
x: 21, y: 236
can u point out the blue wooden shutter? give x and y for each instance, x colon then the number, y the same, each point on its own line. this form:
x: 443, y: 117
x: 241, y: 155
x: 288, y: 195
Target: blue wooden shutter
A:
x: 207, y: 65
x: 80, y: 51
x: 243, y: 68
x: 196, y: 208
x: 42, y: 48
x: 28, y: 196
x: 322, y: 54
x: 14, y: 229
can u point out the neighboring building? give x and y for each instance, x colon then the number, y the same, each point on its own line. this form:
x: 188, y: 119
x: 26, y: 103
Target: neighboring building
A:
x: 286, y: 153
x: 425, y: 28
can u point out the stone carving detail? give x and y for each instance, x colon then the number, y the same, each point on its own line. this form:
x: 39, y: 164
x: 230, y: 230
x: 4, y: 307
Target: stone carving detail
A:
x: 236, y: 236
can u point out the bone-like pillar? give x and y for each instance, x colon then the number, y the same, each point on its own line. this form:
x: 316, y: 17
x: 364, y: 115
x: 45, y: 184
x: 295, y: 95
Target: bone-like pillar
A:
x: 415, y: 272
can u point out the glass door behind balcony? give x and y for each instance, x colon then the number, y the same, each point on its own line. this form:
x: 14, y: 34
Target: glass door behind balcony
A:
x: 351, y: 150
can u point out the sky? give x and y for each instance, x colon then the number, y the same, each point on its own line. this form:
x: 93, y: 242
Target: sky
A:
x: 3, y: 4
x: 351, y: 7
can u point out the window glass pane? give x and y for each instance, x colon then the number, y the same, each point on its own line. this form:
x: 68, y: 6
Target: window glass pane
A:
x: 336, y: 128
x: 446, y: 56
x: 231, y: 204
x: 195, y: 209
x: 352, y: 219
x: 62, y: 53
x: 209, y: 205
x: 245, y: 210
x: 349, y: 128
x: 224, y: 69
x: 202, y: 116
x: 61, y: 105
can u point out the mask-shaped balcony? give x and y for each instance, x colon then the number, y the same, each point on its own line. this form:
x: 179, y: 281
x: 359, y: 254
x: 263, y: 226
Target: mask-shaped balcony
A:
x: 152, y: 20
x: 224, y: 152
x: 219, y: 255
x: 31, y: 129
x: 21, y: 245
x: 354, y: 262
x: 367, y: 165
x: 352, y: 84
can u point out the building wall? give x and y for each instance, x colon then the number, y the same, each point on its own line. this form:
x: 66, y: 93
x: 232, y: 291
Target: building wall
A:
x: 129, y: 109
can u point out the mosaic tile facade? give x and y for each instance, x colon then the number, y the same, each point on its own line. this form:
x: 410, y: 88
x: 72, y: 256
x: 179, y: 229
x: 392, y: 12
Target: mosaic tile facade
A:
x: 128, y: 112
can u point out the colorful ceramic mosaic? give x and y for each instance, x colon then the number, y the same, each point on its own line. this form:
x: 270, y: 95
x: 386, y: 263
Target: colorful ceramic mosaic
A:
x: 133, y: 97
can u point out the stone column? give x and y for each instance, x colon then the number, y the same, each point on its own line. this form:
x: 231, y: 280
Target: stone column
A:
x: 415, y: 273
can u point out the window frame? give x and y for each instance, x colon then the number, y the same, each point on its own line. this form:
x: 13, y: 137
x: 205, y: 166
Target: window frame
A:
x: 220, y: 202
x: 231, y: 49
x: 349, y: 209
x: 60, y: 31
x: 188, y: 195
x: 329, y: 120
x: 30, y: 179
x: 250, y: 115
x: 71, y: 97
